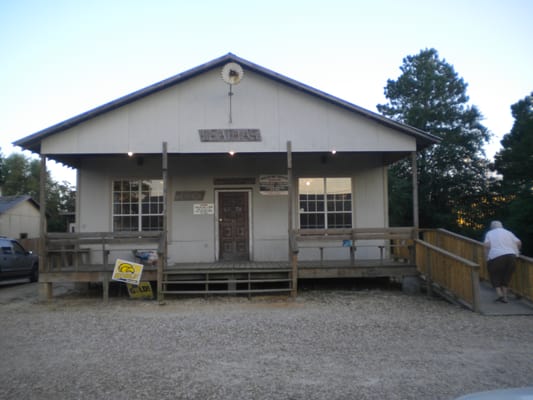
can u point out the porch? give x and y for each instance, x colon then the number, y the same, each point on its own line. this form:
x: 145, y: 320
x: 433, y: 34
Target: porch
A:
x: 90, y: 258
x: 451, y: 265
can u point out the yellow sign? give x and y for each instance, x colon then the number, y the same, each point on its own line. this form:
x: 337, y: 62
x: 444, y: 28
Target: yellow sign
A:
x: 127, y: 271
x: 141, y: 291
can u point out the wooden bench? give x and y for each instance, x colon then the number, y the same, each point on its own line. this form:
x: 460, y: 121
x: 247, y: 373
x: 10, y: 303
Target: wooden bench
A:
x: 397, y: 238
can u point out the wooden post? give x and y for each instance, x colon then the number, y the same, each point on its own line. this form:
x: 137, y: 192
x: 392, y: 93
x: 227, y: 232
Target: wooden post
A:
x: 45, y: 289
x: 163, y: 259
x: 475, y: 288
x: 415, y: 190
x: 105, y: 286
x: 293, y: 257
x: 428, y: 272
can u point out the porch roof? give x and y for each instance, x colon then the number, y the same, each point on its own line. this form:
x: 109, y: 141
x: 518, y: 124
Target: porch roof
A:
x: 33, y: 141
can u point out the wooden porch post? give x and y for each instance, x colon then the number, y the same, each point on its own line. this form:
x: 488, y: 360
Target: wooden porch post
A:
x: 163, y: 245
x: 415, y: 190
x: 293, y: 256
x: 45, y: 289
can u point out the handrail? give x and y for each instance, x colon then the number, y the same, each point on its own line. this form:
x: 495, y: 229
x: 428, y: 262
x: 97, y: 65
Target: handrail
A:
x: 356, y: 233
x: 400, y: 239
x: 522, y: 280
x: 450, y: 271
x: 77, y: 244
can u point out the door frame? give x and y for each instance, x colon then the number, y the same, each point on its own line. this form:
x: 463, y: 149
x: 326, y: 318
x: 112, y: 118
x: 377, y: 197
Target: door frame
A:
x: 217, y: 218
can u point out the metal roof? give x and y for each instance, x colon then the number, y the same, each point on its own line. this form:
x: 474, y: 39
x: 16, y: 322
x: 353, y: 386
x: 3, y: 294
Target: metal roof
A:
x: 8, y: 202
x: 33, y: 141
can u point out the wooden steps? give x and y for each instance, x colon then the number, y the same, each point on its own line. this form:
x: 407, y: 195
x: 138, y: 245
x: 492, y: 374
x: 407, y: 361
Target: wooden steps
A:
x: 216, y: 281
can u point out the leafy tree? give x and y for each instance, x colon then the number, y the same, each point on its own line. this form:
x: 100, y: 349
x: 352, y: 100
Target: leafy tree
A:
x: 21, y: 175
x: 430, y: 95
x: 515, y: 163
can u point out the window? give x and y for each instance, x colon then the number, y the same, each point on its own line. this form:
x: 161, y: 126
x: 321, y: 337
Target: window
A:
x: 19, y: 250
x: 325, y: 203
x: 137, y: 205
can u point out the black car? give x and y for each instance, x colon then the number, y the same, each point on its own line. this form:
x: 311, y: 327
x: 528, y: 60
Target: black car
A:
x: 16, y: 262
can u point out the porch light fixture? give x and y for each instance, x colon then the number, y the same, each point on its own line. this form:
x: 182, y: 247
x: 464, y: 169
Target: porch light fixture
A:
x: 130, y: 153
x: 231, y: 153
x: 333, y: 151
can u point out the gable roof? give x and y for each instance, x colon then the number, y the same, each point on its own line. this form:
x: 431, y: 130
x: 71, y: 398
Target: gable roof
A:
x: 8, y: 202
x: 33, y: 142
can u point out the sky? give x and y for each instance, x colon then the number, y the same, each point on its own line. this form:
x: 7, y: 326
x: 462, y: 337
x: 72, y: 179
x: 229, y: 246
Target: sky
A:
x: 60, y: 58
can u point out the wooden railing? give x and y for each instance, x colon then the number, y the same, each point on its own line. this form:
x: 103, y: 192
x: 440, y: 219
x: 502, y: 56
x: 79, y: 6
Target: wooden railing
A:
x: 457, y: 277
x: 522, y: 280
x: 389, y: 241
x: 462, y: 246
x: 94, y: 248
x: 473, y: 250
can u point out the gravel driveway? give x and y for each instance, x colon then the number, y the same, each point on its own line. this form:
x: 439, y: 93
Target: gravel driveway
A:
x: 326, y: 344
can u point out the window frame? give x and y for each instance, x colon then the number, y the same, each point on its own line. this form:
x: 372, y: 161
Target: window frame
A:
x: 327, y: 206
x: 133, y: 207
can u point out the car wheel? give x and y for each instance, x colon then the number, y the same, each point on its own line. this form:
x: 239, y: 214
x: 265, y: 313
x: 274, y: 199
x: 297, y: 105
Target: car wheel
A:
x: 34, y: 277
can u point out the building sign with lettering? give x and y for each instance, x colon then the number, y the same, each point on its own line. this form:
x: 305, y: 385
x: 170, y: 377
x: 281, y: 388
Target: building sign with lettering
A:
x: 188, y: 195
x: 230, y: 135
x: 273, y: 184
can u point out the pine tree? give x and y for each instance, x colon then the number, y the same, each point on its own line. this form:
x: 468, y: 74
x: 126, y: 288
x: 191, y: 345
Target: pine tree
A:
x: 430, y: 95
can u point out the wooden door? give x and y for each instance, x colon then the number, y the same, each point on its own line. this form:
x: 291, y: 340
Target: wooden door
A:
x: 233, y: 226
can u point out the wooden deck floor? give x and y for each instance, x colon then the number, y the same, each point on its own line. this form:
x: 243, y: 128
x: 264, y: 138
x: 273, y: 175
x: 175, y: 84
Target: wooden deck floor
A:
x: 311, y: 269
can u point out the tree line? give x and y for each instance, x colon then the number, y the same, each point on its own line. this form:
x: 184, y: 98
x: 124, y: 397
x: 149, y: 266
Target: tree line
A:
x: 459, y: 188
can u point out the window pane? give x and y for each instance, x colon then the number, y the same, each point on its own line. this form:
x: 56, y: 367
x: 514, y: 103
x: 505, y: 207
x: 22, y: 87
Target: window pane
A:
x: 311, y: 185
x: 311, y: 221
x: 339, y: 220
x: 338, y: 185
x: 145, y: 208
x: 152, y: 223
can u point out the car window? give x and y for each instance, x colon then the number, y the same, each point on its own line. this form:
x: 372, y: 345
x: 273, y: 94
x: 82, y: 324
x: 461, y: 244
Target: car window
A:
x: 18, y: 248
x: 6, y: 250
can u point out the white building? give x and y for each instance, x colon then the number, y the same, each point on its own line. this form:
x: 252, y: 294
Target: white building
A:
x: 229, y: 130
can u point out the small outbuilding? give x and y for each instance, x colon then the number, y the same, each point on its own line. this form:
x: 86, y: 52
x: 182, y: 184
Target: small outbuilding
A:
x: 19, y: 217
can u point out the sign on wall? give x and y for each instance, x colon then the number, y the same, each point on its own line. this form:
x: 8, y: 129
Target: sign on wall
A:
x: 229, y: 135
x: 273, y: 185
x: 203, y: 209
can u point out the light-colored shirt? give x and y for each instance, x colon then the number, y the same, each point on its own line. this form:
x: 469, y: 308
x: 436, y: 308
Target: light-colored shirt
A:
x: 500, y: 242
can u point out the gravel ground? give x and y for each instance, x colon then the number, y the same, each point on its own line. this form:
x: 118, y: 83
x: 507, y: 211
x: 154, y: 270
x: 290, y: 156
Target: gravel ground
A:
x: 326, y: 344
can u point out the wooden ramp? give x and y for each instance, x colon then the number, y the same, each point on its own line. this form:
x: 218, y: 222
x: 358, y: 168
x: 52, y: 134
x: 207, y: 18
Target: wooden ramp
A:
x: 516, y: 305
